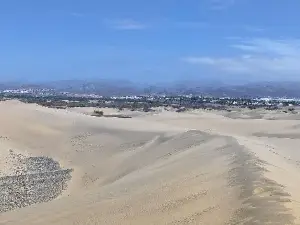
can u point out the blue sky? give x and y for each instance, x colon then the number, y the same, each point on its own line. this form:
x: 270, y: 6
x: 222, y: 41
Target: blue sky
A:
x: 157, y: 40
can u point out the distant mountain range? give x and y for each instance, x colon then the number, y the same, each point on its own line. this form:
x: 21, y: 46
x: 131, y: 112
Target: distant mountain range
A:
x: 124, y: 87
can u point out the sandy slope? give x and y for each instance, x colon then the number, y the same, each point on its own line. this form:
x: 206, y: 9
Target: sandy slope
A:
x: 169, y: 168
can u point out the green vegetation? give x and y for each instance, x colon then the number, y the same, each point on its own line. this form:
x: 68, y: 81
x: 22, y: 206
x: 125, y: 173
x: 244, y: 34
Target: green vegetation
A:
x: 98, y: 113
x: 146, y: 103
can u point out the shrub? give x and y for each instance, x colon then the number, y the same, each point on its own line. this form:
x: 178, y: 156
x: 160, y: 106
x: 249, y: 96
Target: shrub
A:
x: 98, y: 112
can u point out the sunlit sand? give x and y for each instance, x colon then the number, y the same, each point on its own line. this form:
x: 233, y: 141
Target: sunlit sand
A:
x: 195, y: 167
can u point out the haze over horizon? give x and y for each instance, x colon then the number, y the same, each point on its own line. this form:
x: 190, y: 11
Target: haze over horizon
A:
x: 226, y: 40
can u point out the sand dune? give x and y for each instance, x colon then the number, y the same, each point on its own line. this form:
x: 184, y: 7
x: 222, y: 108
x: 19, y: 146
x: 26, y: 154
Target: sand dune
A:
x: 65, y: 167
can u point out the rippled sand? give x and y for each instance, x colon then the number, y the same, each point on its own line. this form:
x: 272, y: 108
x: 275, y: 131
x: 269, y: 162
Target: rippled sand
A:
x: 165, y: 168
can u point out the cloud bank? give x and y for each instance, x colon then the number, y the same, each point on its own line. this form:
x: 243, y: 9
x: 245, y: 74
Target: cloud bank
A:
x: 256, y: 56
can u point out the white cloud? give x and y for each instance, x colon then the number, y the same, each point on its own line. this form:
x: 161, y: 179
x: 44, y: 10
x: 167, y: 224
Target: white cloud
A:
x: 221, y: 4
x: 125, y: 24
x: 76, y: 14
x: 200, y: 60
x: 257, y: 56
x: 283, y: 47
x: 130, y: 24
x: 227, y: 64
x: 190, y: 24
x: 254, y: 29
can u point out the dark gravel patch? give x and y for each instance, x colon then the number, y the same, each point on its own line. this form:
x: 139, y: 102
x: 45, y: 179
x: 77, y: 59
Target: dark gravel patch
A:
x: 40, y: 179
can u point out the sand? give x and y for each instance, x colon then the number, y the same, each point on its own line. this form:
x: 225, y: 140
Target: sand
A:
x: 198, y: 167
